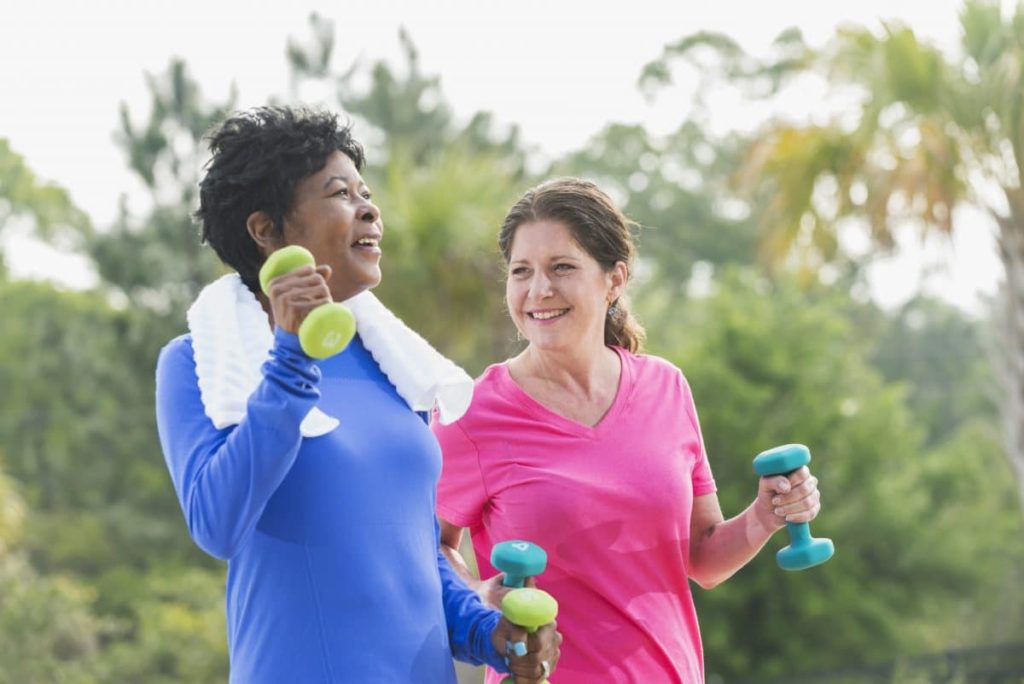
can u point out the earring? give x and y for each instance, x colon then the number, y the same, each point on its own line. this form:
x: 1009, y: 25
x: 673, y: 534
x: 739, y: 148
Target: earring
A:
x: 612, y: 310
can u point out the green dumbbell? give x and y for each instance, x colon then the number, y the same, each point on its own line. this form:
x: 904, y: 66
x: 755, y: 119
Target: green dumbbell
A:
x: 518, y: 560
x: 804, y: 551
x: 328, y: 328
x: 529, y: 608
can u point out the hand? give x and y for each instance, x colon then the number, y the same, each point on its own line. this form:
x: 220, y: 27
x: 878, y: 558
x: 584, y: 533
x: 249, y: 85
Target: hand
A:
x: 293, y: 295
x: 491, y: 590
x: 543, y: 646
x: 788, y: 498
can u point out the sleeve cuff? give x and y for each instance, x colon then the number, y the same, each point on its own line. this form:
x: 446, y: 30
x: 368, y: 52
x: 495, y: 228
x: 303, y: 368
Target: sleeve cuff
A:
x: 489, y: 654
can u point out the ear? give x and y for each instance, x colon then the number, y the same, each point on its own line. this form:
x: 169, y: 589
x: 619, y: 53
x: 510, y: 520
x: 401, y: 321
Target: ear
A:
x: 261, y: 230
x: 617, y: 278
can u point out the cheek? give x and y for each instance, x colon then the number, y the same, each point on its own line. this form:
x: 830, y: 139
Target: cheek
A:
x: 510, y: 298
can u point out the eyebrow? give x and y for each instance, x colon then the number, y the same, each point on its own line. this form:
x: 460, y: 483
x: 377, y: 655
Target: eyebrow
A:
x: 342, y: 179
x: 556, y: 257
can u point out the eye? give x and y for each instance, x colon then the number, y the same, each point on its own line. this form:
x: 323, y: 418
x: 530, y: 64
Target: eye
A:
x: 367, y: 195
x: 518, y: 271
x: 564, y: 268
x: 343, y: 192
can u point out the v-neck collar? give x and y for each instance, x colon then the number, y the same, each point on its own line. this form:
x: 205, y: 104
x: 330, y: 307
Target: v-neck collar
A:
x: 547, y: 415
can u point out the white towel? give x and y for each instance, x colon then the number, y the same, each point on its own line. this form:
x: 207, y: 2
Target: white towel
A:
x: 231, y: 339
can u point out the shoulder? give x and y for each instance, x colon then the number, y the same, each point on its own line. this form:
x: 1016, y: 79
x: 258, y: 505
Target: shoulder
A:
x: 176, y: 352
x: 176, y: 366
x: 647, y: 367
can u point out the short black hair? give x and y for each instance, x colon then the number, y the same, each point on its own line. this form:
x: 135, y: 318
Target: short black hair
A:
x: 258, y: 157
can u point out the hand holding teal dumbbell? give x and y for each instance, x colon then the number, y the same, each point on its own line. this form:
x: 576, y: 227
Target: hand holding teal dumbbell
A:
x: 804, y: 551
x: 529, y: 608
x: 327, y: 329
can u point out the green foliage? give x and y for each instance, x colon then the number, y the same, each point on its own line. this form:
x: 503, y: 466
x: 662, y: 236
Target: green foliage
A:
x: 175, y: 632
x: 770, y: 364
x: 49, y: 635
x: 441, y: 261
x: 158, y: 262
x: 942, y: 358
x: 48, y: 206
x: 76, y: 421
x: 403, y: 111
x: 677, y: 188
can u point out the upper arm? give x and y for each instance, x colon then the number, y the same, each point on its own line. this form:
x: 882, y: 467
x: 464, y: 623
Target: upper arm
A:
x: 706, y: 513
x: 451, y: 535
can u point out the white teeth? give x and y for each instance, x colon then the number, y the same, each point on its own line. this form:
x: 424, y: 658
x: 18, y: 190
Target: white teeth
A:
x: 546, y: 315
x: 367, y: 242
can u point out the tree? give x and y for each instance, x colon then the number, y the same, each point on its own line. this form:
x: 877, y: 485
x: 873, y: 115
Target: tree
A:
x: 158, y: 262
x: 47, y: 207
x: 929, y: 134
x: 771, y: 363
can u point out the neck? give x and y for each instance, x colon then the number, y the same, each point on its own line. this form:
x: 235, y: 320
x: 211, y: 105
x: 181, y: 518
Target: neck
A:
x: 588, y: 370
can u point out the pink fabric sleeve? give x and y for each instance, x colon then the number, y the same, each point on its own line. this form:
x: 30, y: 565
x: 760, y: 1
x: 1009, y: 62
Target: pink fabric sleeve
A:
x: 700, y: 474
x: 461, y: 494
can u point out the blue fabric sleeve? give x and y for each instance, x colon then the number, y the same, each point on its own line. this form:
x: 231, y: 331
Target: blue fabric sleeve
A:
x: 224, y: 478
x: 470, y: 623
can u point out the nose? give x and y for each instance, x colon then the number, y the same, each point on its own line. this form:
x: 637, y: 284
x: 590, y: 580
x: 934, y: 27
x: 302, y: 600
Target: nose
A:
x: 369, y: 212
x: 540, y: 285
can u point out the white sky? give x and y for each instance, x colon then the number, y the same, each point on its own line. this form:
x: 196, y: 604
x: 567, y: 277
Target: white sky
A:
x: 561, y: 69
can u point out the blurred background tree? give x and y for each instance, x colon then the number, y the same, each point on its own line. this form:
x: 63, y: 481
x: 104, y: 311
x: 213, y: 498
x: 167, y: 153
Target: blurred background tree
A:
x: 927, y: 134
x: 99, y: 581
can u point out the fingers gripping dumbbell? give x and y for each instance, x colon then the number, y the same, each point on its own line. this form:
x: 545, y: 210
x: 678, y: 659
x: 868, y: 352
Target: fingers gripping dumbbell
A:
x: 804, y: 551
x: 327, y: 329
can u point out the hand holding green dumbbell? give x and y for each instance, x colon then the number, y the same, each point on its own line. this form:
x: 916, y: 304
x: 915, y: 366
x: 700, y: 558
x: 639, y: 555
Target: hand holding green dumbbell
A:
x: 529, y: 608
x: 804, y: 551
x: 327, y: 329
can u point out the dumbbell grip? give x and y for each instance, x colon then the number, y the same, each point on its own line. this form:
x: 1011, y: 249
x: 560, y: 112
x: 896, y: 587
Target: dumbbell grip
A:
x: 799, y: 533
x: 514, y: 581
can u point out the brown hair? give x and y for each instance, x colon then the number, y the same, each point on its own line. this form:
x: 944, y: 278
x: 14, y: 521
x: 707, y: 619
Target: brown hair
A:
x: 598, y: 227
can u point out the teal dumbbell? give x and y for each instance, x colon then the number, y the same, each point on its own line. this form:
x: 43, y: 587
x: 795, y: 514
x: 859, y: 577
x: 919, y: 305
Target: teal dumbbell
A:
x: 328, y: 328
x: 518, y: 560
x: 804, y: 551
x: 529, y: 608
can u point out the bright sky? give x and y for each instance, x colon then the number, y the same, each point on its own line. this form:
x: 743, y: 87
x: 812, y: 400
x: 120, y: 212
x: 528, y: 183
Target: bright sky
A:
x: 561, y: 69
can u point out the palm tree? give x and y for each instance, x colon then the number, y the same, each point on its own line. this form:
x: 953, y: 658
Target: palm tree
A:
x: 929, y: 133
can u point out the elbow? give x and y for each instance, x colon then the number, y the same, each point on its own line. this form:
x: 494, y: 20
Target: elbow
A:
x: 707, y: 583
x: 705, y: 575
x: 219, y: 546
x: 213, y: 538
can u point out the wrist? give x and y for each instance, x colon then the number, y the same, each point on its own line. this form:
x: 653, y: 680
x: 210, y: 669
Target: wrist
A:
x: 762, y: 523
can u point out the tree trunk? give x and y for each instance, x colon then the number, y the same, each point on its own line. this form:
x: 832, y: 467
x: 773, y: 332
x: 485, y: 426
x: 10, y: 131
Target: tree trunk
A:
x: 1011, y: 326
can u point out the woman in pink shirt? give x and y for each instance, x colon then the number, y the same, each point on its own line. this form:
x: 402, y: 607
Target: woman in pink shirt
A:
x: 593, y: 451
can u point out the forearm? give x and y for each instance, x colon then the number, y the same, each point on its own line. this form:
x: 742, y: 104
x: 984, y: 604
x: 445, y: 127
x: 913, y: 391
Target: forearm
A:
x: 722, y: 549
x: 470, y: 623
x: 459, y: 566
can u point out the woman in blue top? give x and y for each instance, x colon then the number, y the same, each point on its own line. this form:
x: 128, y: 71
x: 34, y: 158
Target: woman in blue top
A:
x: 315, y: 480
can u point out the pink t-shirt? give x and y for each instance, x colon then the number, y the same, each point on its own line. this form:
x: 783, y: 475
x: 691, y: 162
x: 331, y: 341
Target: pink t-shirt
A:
x: 610, y: 504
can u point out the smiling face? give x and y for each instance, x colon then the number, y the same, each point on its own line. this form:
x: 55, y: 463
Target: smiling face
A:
x: 557, y: 294
x: 332, y: 216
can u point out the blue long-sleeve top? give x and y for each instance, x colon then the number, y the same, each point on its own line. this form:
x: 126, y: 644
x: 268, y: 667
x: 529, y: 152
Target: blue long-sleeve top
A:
x: 334, y: 566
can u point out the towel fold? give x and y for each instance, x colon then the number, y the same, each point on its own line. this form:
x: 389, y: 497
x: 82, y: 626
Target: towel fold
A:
x: 231, y: 339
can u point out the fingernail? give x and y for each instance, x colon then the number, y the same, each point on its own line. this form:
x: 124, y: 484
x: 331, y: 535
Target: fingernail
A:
x: 776, y: 501
x: 520, y: 648
x: 779, y: 511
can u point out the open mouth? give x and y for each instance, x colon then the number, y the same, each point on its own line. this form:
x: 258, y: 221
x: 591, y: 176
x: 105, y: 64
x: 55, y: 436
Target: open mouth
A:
x: 548, y: 315
x: 367, y: 243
